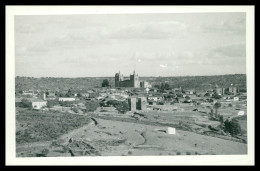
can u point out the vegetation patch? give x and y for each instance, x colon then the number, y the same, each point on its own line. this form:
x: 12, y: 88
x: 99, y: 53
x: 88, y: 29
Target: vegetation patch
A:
x: 45, y: 126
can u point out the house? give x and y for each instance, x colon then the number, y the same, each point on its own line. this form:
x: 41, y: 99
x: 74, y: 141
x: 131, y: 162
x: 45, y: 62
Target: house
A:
x: 220, y: 91
x: 50, y: 96
x: 30, y: 92
x: 236, y: 99
x: 153, y: 98
x: 85, y: 94
x: 37, y: 103
x: 145, y: 84
x: 189, y: 91
x: 233, y: 90
x: 67, y: 99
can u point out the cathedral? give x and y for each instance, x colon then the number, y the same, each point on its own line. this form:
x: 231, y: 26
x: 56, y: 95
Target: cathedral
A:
x: 132, y: 82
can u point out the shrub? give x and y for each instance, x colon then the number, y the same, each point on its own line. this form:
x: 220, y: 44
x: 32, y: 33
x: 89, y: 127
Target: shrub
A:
x: 51, y: 103
x: 91, y: 106
x: 221, y: 119
x: 206, y: 95
x: 26, y: 104
x: 105, y: 83
x: 66, y: 103
x: 160, y: 103
x: 216, y: 96
x: 232, y: 127
x: 123, y: 108
x: 74, y: 109
x: 217, y: 105
x: 179, y: 95
x: 210, y: 100
x: 188, y: 153
x: 187, y: 97
x: 178, y: 153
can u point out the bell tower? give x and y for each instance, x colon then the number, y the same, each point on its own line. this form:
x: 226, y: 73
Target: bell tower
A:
x: 117, y: 75
x: 134, y: 80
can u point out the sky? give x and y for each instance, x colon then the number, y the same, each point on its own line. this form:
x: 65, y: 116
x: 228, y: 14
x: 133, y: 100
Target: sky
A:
x: 99, y: 45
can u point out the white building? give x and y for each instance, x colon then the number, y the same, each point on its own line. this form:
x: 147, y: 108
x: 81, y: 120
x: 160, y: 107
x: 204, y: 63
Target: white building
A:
x: 236, y: 99
x: 38, y: 103
x: 67, y: 99
x: 145, y: 84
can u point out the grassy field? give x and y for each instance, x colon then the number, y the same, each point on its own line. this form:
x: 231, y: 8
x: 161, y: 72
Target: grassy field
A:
x: 36, y: 126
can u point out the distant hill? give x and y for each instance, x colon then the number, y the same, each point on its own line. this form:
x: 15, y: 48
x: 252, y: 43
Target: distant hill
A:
x: 186, y: 82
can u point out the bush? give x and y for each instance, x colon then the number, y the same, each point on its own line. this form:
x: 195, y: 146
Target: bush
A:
x: 105, y: 83
x: 26, y: 104
x: 187, y: 97
x: 178, y: 153
x: 206, y: 95
x: 91, y: 106
x: 51, y: 103
x: 160, y: 103
x: 76, y: 110
x: 210, y: 100
x: 123, y: 107
x: 41, y: 127
x: 66, y: 103
x: 179, y: 94
x: 216, y: 96
x: 221, y: 119
x: 232, y: 127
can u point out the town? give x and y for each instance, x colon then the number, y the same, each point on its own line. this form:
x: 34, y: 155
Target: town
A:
x: 129, y: 116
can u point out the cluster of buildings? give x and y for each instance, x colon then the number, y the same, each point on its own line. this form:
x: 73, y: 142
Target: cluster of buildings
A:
x: 232, y: 90
x: 138, y: 94
x: 134, y: 81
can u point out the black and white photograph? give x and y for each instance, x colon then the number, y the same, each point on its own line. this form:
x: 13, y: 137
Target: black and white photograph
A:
x: 112, y: 82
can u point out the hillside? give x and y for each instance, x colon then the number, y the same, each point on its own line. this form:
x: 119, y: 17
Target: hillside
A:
x: 186, y: 82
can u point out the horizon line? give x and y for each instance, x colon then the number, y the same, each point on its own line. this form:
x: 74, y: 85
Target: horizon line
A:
x: 126, y: 76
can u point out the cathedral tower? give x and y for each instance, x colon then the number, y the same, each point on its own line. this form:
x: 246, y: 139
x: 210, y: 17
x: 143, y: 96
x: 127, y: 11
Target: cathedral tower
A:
x: 134, y: 79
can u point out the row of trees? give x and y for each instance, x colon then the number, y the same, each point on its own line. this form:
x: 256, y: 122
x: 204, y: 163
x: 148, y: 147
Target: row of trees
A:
x: 229, y: 126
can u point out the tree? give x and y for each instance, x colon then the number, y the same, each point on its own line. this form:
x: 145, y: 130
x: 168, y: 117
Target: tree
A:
x: 221, y: 119
x: 226, y: 91
x: 216, y: 96
x: 187, y: 97
x: 206, y: 95
x: 26, y: 104
x: 91, y: 106
x: 162, y: 86
x: 217, y: 105
x: 105, y: 83
x: 166, y: 86
x: 242, y: 90
x: 69, y: 93
x: 51, y: 103
x: 210, y: 100
x: 113, y: 103
x: 179, y: 94
x: 66, y: 103
x: 123, y: 107
x: 232, y: 127
x: 168, y: 97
